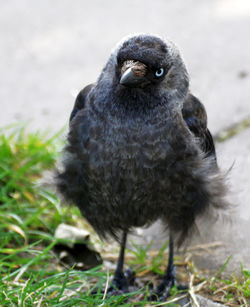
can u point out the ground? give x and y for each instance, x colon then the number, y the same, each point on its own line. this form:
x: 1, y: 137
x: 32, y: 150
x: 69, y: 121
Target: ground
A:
x: 50, y: 50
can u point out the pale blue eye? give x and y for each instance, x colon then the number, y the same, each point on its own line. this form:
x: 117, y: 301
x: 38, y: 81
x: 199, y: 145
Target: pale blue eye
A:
x: 159, y: 72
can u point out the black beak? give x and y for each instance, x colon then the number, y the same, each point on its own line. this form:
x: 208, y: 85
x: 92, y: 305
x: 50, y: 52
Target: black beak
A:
x: 129, y: 78
x: 134, y: 76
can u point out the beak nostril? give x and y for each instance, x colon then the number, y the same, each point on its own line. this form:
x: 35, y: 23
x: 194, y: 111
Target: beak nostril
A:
x: 137, y: 67
x: 139, y: 71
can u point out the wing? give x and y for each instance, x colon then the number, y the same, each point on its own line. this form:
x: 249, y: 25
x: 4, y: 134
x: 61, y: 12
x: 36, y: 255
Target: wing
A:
x: 80, y: 101
x: 71, y: 181
x: 195, y: 116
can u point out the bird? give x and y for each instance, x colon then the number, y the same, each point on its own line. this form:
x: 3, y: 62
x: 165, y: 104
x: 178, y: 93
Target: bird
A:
x: 139, y: 150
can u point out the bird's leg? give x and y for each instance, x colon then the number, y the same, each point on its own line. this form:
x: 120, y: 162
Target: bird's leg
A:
x: 169, y: 279
x: 121, y: 279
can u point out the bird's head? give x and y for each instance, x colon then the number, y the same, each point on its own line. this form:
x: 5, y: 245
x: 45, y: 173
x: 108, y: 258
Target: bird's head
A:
x: 148, y: 61
x: 144, y: 65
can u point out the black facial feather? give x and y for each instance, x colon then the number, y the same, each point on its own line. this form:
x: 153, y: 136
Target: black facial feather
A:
x: 147, y: 49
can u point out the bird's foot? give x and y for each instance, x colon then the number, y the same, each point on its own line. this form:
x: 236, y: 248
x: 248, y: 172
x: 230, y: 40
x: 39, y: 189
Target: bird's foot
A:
x: 121, y: 282
x: 163, y: 290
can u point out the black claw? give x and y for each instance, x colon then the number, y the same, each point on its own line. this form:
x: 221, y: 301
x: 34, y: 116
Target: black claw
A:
x: 163, y: 290
x: 120, y: 284
x: 130, y: 276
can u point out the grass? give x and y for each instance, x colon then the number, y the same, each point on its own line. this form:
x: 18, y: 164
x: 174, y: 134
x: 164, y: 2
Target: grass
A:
x: 31, y: 273
x: 233, y: 130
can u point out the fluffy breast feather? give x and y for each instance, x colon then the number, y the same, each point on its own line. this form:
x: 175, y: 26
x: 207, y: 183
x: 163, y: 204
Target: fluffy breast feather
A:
x: 135, y: 171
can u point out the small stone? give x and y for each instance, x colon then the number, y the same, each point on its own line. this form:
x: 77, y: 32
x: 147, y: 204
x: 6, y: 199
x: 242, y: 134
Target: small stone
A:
x: 204, y: 302
x: 77, y: 250
x: 71, y: 233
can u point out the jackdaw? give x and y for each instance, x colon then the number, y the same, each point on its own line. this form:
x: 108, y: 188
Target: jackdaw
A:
x: 139, y: 150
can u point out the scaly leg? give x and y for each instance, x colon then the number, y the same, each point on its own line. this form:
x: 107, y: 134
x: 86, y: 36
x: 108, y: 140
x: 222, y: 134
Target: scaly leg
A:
x: 169, y: 279
x: 121, y: 279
